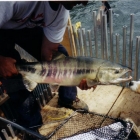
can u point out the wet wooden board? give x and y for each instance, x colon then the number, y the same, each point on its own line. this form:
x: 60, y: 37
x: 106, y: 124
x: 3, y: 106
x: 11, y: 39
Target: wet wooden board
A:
x: 101, y: 99
x: 53, y: 101
x: 127, y: 106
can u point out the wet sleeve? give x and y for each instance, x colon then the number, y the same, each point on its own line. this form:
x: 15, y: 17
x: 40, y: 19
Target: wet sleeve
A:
x: 56, y: 30
x: 6, y: 11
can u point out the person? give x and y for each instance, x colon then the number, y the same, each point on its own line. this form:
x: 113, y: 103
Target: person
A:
x: 38, y: 27
x: 106, y: 10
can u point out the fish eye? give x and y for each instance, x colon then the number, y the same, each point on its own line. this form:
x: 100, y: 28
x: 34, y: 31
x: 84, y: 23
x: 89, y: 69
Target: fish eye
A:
x: 117, y: 71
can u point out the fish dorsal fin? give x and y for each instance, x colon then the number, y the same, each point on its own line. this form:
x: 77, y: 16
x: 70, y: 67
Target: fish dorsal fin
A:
x: 58, y: 55
x: 91, y: 82
x: 30, y: 85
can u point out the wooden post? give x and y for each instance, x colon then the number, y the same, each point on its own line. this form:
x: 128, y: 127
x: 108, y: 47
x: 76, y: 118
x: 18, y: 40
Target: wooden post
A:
x: 66, y: 41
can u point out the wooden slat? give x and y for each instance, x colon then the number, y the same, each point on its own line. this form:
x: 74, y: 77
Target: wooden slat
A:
x: 66, y: 41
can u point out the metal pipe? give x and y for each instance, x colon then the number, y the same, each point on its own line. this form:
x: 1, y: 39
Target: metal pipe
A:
x: 34, y: 93
x: 42, y: 87
x: 102, y: 36
x: 90, y: 44
x: 80, y: 42
x: 45, y: 85
x: 26, y: 130
x: 45, y: 92
x: 84, y: 42
x: 111, y: 34
x: 124, y: 44
x: 11, y: 130
x: 105, y: 37
x: 131, y: 39
x: 43, y: 99
x: 71, y: 44
x: 39, y: 103
x: 5, y: 134
x: 117, y: 48
x: 49, y: 91
x: 137, y: 58
x: 124, y: 50
x: 95, y: 33
x: 37, y: 90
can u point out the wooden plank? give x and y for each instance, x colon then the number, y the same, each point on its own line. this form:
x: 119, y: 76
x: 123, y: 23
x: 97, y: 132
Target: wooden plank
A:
x: 127, y: 106
x: 101, y: 99
x: 54, y: 101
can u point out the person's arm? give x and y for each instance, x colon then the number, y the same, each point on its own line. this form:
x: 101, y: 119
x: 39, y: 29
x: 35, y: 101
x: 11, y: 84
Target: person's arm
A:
x: 83, y: 85
x: 7, y: 66
x: 8, y: 10
x: 48, y: 49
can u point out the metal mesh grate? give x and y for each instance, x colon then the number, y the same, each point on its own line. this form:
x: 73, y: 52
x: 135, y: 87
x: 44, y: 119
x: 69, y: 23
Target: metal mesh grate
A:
x: 79, y: 123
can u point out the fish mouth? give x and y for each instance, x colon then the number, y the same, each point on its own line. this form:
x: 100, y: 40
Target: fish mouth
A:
x: 121, y: 80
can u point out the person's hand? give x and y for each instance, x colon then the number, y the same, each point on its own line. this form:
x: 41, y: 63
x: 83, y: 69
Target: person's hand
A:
x: 48, y: 49
x: 7, y: 67
x: 83, y: 85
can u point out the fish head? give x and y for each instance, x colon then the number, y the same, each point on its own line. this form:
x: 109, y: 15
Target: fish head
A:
x: 110, y: 73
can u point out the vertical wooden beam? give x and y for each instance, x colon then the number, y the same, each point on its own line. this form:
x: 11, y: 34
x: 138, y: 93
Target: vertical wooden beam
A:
x: 66, y: 41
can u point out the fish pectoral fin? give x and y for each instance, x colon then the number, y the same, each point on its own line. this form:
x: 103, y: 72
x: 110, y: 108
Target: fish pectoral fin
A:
x: 30, y: 85
x: 54, y: 88
x: 91, y: 82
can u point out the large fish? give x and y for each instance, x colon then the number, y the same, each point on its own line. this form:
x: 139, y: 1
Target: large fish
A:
x: 69, y: 71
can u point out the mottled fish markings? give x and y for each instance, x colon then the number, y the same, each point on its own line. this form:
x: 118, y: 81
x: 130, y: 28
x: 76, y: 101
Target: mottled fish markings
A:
x: 49, y: 70
x: 69, y: 71
x: 43, y: 72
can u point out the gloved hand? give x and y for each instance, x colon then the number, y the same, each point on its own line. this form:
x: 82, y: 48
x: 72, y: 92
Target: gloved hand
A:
x: 83, y: 85
x: 7, y: 67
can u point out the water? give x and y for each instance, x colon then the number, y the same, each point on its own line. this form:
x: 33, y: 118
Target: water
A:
x: 122, y: 10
